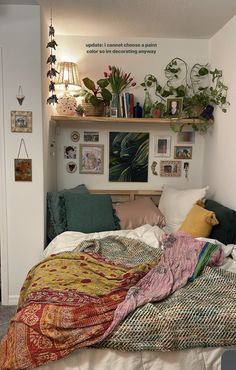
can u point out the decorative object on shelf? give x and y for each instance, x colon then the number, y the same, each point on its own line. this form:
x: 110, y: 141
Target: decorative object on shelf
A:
x: 138, y: 111
x: 186, y: 169
x: 21, y: 121
x: 147, y: 105
x: 75, y: 136
x: 162, y: 146
x: 158, y: 107
x: 20, y: 96
x: 183, y: 152
x: 70, y: 152
x: 68, y: 76
x: 128, y: 156
x: 23, y: 167
x: 71, y: 167
x: 153, y: 168
x: 170, y: 168
x: 157, y: 110
x: 52, y: 72
x: 96, y: 96
x: 91, y: 159
x: 118, y: 81
x: 80, y: 110
x: 91, y: 136
x: 174, y: 107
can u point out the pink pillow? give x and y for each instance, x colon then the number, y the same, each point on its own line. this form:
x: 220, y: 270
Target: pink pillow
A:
x: 138, y: 212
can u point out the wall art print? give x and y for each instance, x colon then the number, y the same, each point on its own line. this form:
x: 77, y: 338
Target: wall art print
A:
x: 21, y: 121
x: 91, y: 158
x: 170, y: 168
x: 128, y: 156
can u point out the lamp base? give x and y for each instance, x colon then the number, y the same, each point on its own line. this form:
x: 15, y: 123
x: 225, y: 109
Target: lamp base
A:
x: 66, y: 105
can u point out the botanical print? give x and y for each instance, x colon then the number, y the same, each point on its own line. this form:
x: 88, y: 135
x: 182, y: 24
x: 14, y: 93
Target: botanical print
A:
x: 91, y: 158
x: 128, y: 156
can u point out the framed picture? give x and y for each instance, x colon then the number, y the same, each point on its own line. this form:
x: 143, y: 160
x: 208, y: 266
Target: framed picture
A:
x: 186, y: 137
x: 162, y: 146
x: 91, y: 136
x: 21, y: 121
x: 183, y: 152
x: 91, y: 158
x: 170, y: 168
x: 174, y: 107
x: 71, y: 167
x: 70, y: 152
x: 23, y: 169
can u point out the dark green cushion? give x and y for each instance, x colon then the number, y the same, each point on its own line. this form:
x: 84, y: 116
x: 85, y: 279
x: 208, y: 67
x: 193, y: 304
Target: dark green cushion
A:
x: 89, y: 213
x: 225, y: 232
x: 56, y: 213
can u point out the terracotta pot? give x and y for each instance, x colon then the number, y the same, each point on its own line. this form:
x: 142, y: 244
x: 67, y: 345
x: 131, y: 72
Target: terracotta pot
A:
x: 156, y: 112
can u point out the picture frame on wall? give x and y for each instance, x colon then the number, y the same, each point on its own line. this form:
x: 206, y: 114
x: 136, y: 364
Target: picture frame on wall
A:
x: 183, y: 152
x: 186, y: 137
x: 23, y: 169
x: 162, y: 146
x: 170, y: 168
x: 21, y: 121
x: 174, y: 106
x: 91, y: 159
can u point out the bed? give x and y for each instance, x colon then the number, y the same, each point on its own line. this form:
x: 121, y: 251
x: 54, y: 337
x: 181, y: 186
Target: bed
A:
x: 139, y: 315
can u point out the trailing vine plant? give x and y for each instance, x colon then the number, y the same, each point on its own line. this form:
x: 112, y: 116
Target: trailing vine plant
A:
x: 52, y: 72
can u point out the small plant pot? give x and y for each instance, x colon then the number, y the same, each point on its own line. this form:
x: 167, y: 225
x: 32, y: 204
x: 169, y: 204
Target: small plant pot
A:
x: 156, y: 112
x: 91, y: 110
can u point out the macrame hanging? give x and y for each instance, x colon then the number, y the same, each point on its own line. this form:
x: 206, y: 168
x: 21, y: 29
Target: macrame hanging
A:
x: 51, y: 74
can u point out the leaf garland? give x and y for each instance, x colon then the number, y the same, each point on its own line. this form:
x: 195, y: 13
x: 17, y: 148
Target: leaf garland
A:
x: 52, y: 72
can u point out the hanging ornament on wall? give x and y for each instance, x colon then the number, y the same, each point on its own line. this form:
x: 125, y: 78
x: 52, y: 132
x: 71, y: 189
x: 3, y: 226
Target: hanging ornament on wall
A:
x: 51, y: 73
x: 20, y: 96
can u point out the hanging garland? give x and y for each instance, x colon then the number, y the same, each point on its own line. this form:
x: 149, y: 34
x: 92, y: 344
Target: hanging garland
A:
x: 51, y: 61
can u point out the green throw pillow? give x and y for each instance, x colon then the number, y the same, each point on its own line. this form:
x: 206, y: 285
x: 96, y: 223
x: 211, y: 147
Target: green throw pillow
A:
x: 89, y: 213
x: 225, y: 232
x: 56, y: 213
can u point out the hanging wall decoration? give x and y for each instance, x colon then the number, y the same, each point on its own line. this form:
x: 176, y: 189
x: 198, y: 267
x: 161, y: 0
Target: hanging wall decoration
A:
x: 23, y: 166
x: 20, y: 96
x: 21, y: 121
x: 51, y: 73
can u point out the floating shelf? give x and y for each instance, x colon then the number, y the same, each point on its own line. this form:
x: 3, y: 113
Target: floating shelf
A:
x: 154, y: 121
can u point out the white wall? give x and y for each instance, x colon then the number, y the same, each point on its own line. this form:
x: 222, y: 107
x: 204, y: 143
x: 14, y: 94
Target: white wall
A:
x: 20, y: 42
x: 73, y: 48
x: 219, y: 170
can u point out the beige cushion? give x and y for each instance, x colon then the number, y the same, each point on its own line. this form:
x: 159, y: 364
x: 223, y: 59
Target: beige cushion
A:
x: 138, y: 212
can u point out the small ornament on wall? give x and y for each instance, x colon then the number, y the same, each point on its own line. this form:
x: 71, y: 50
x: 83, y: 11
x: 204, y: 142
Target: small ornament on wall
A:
x: 21, y: 121
x: 75, y: 136
x: 153, y: 168
x: 71, y: 167
x: 186, y: 169
x: 20, y: 96
x: 23, y: 166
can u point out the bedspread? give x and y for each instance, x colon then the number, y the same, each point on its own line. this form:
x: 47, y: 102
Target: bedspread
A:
x: 75, y: 299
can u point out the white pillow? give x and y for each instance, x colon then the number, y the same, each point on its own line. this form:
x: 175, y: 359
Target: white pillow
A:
x: 175, y: 204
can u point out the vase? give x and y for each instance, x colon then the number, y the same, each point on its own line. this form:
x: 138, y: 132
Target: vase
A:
x: 115, y: 105
x: 138, y: 111
x: 147, y: 106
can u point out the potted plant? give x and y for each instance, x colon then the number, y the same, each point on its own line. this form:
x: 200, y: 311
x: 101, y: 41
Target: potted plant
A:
x: 157, y: 109
x: 80, y: 110
x: 96, y: 96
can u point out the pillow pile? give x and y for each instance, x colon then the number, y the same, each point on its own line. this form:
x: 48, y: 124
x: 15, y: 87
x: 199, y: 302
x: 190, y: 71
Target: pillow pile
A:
x: 138, y: 212
x: 175, y: 204
x: 199, y: 222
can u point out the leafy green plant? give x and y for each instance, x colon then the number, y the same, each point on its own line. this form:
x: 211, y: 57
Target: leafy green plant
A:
x: 96, y: 94
x: 79, y: 109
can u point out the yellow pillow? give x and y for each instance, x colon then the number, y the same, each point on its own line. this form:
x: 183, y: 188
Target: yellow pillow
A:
x: 199, y: 222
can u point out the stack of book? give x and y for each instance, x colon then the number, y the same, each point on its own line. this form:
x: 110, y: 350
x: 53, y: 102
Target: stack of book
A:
x: 127, y: 105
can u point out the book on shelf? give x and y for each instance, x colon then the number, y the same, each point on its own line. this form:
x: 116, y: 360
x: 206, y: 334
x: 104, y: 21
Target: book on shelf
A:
x: 128, y: 105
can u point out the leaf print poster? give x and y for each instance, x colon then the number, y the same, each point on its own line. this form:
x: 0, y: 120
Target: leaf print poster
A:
x: 128, y: 156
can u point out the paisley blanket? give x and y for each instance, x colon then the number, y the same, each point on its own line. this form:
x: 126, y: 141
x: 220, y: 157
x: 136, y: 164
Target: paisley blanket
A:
x: 75, y: 299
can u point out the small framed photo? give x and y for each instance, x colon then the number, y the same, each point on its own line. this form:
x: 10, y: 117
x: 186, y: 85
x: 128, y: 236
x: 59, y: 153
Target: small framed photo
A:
x: 174, y: 107
x: 21, y: 121
x: 162, y: 146
x: 23, y: 169
x: 91, y: 136
x: 70, y: 152
x: 186, y: 137
x: 170, y: 168
x: 183, y: 152
x: 91, y: 158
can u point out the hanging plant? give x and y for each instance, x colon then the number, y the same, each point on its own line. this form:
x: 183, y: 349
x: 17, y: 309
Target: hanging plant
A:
x: 52, y: 72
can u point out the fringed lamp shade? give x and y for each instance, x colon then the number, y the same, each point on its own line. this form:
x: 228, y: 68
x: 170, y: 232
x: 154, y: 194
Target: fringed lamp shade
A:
x: 68, y: 74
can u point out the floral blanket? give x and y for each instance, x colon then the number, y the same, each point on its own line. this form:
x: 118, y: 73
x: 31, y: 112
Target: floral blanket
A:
x: 75, y: 299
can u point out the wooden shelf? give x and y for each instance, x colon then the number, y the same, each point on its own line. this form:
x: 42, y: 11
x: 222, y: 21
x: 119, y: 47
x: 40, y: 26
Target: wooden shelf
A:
x: 168, y: 121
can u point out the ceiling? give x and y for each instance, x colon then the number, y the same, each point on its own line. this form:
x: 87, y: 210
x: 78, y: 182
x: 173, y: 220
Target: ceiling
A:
x: 137, y: 18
